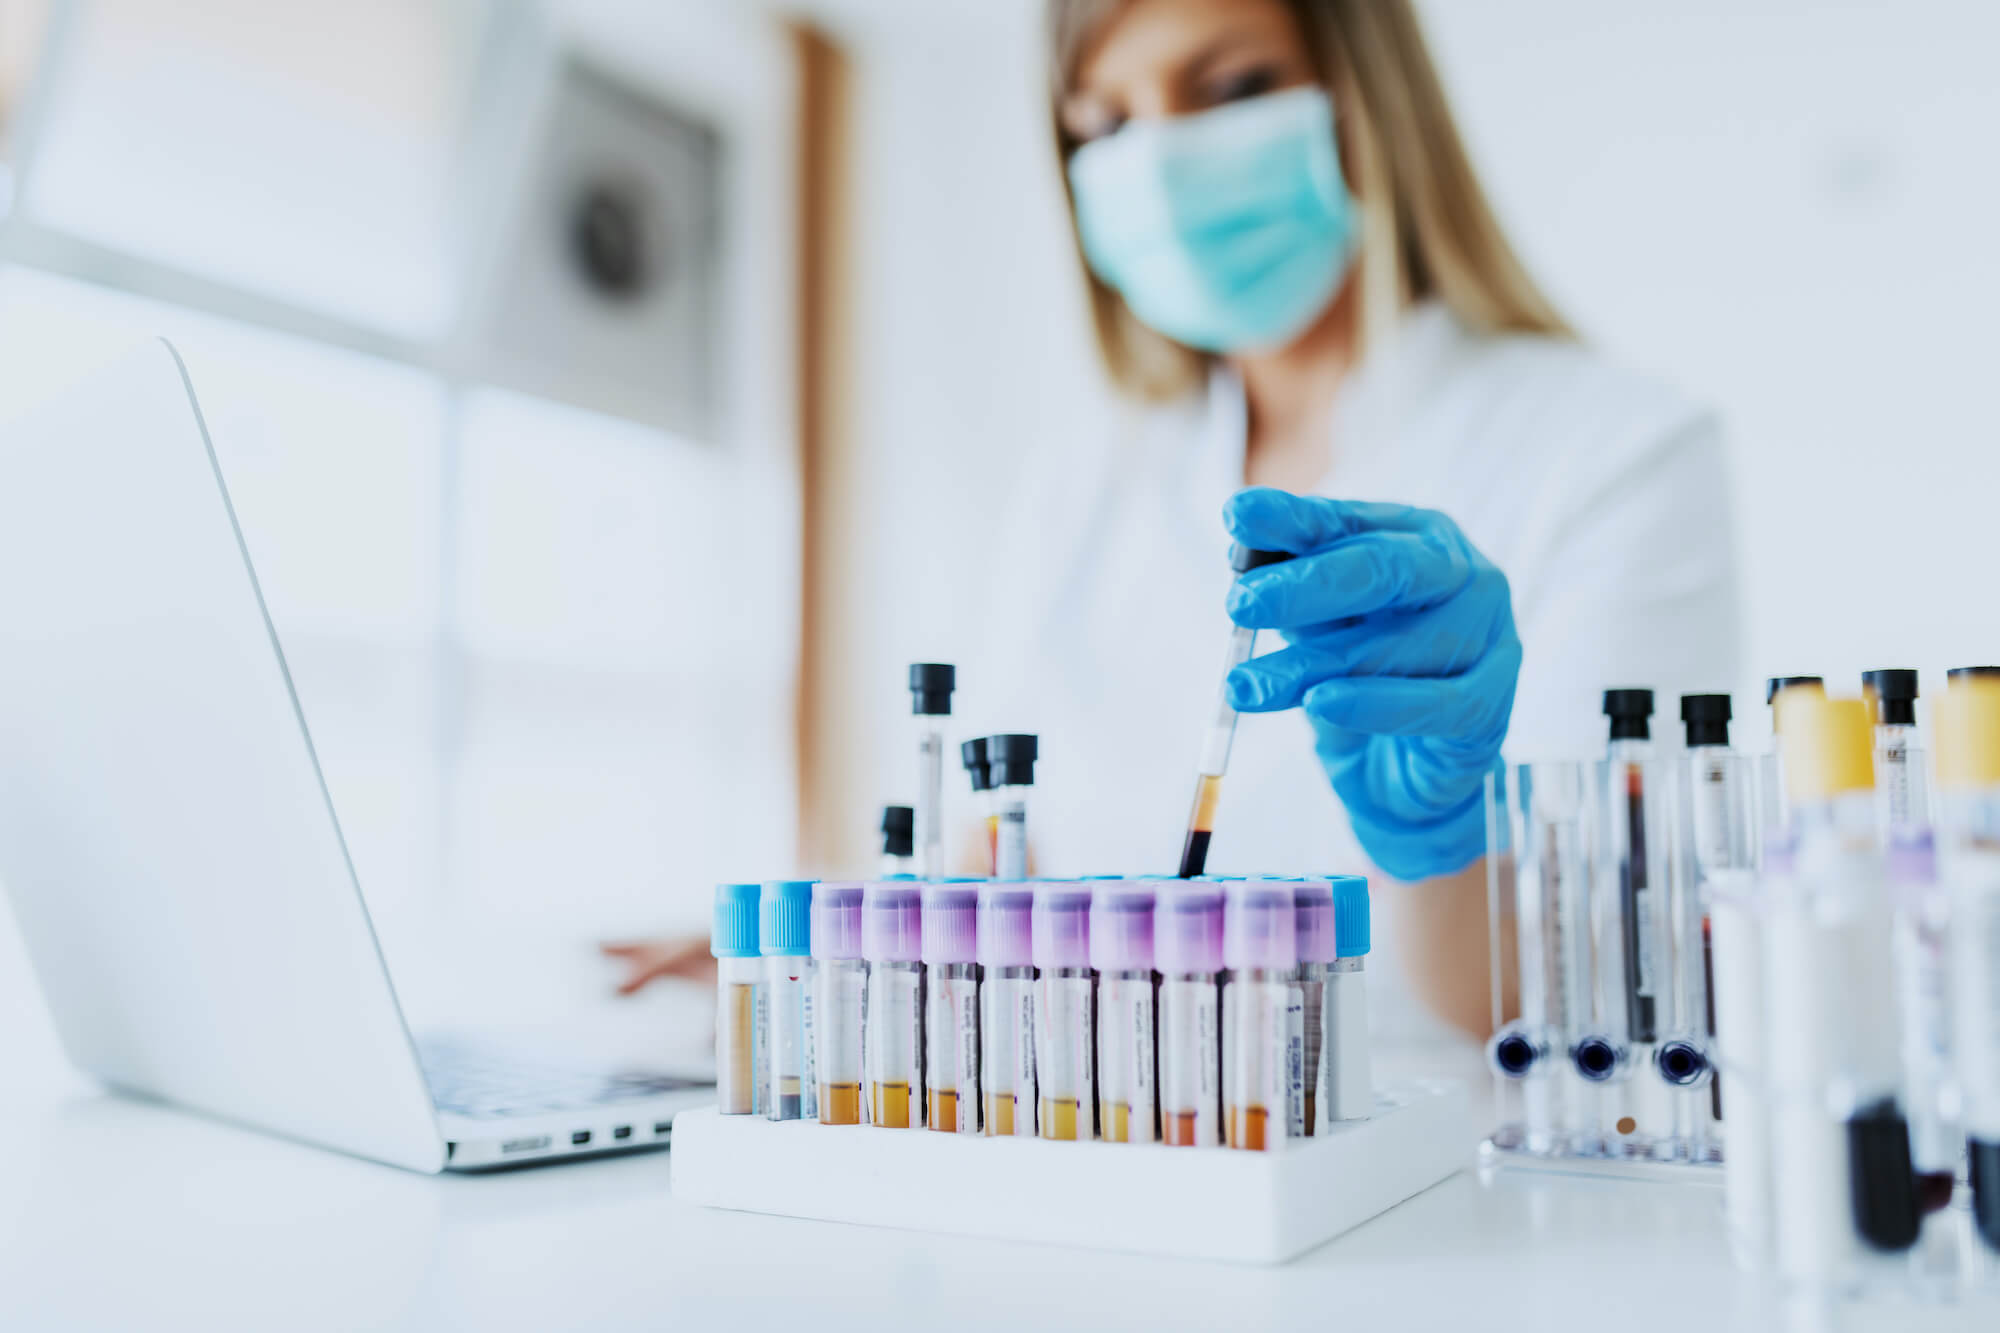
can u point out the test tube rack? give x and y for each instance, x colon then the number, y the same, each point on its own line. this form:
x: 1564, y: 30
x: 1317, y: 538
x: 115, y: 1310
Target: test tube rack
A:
x: 1190, y: 1203
x: 1584, y: 862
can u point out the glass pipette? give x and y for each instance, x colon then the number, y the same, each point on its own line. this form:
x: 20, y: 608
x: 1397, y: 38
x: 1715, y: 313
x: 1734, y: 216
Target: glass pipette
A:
x: 1221, y: 732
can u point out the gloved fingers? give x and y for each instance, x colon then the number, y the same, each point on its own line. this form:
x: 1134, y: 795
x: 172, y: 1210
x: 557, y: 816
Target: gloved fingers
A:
x: 1269, y: 519
x: 1356, y: 576
x: 1443, y: 641
x: 1476, y: 702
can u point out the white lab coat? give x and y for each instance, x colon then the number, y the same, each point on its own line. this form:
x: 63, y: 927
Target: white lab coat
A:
x: 1601, y: 494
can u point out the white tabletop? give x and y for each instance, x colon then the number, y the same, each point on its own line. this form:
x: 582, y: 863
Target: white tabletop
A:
x: 120, y: 1215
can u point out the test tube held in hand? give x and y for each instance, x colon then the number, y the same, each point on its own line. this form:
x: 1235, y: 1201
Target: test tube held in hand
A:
x: 1007, y: 1008
x: 738, y: 972
x: 1221, y: 732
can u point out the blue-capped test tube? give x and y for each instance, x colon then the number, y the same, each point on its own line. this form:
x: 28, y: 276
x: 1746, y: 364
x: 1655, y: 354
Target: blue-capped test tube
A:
x: 785, y: 936
x: 738, y: 970
x: 1350, y: 1075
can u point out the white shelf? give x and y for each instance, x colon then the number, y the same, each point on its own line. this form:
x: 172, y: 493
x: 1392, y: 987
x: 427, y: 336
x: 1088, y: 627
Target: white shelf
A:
x: 1237, y: 1207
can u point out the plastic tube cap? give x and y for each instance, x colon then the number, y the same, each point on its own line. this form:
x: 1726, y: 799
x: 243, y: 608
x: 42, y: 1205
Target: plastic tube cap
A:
x: 1777, y: 685
x: 785, y: 918
x: 1828, y: 744
x: 1010, y: 760
x: 1061, y: 926
x: 836, y: 920
x: 931, y: 684
x: 1187, y: 929
x: 892, y: 913
x: 732, y: 932
x: 1259, y: 926
x: 1121, y: 927
x: 899, y: 830
x: 1706, y: 717
x: 1350, y: 915
x: 973, y: 755
x: 951, y: 923
x: 1629, y: 711
x: 1966, y: 723
x: 1006, y: 935
x: 1243, y: 559
x: 1892, y: 695
x: 1312, y: 901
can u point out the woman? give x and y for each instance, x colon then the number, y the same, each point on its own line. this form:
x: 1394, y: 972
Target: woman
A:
x: 1296, y: 280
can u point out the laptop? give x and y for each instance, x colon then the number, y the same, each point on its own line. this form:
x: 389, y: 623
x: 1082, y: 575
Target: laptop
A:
x: 169, y: 844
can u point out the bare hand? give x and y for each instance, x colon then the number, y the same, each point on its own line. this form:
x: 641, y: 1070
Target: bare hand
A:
x: 684, y: 956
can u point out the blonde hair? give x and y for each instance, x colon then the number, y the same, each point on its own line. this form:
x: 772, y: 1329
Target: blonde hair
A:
x: 1426, y: 227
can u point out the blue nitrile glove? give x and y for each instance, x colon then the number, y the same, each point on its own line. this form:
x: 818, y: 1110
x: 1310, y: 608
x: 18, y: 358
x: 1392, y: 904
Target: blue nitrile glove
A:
x: 1402, y: 651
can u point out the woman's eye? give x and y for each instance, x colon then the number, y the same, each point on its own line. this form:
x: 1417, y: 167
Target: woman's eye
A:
x: 1085, y: 124
x: 1244, y: 84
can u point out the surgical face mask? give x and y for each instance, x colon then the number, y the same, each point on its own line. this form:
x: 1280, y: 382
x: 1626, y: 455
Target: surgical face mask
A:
x: 1228, y: 230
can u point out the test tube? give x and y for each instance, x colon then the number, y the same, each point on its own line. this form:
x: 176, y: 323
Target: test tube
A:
x: 973, y: 755
x: 785, y: 936
x: 1640, y: 893
x: 1312, y: 902
x: 840, y: 982
x: 1967, y: 726
x: 931, y: 684
x: 1899, y: 755
x: 1547, y: 824
x: 1772, y: 807
x: 1923, y: 980
x: 892, y: 942
x: 733, y: 940
x: 1007, y: 1008
x: 1187, y: 950
x: 1350, y: 1075
x: 899, y: 824
x: 1063, y: 1058
x: 1841, y: 1152
x: 1121, y: 951
x: 1222, y: 731
x: 1263, y: 1018
x: 1010, y: 767
x: 1736, y: 900
x: 951, y: 1028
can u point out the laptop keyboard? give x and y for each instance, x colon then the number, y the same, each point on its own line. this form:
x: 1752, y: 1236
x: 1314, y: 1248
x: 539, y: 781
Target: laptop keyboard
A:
x: 485, y: 1085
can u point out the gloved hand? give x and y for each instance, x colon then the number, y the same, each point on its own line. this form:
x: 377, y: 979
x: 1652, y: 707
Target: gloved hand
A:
x: 1402, y: 651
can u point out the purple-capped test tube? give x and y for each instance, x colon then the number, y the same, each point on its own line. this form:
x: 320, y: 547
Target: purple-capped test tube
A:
x: 1312, y: 902
x: 951, y: 1007
x: 892, y: 942
x: 1187, y: 950
x: 1007, y: 1007
x: 1066, y: 1088
x: 1121, y: 951
x: 1263, y: 1016
x: 840, y: 980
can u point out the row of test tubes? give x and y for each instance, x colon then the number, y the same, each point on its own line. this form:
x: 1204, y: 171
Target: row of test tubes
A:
x: 1800, y: 951
x: 1188, y: 1013
x: 1595, y: 871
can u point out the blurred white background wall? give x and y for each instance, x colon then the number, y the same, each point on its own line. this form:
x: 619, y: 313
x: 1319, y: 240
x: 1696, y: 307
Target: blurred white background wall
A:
x: 1784, y: 206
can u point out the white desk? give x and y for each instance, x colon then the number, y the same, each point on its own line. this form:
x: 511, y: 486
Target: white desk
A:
x: 116, y: 1215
